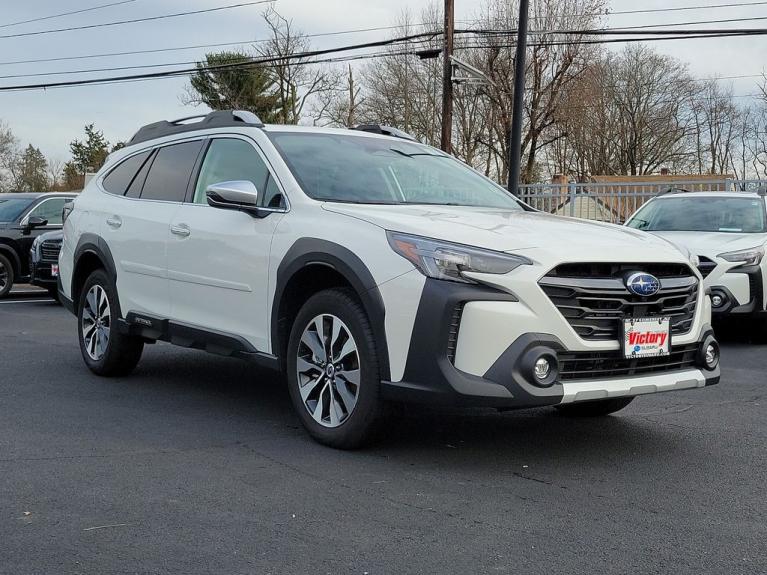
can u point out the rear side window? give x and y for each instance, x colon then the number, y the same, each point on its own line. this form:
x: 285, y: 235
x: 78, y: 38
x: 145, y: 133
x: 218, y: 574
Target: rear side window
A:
x: 118, y: 180
x: 170, y: 172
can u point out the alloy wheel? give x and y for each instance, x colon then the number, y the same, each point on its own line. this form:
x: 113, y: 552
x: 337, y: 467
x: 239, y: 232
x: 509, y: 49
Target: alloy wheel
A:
x: 328, y: 370
x: 3, y: 276
x: 95, y: 322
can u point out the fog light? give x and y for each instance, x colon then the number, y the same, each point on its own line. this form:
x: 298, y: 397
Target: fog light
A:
x: 542, y: 368
x: 717, y: 300
x: 711, y: 356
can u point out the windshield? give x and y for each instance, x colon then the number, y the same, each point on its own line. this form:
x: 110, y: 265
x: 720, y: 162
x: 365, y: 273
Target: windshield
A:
x: 697, y: 214
x: 364, y: 170
x: 12, y: 208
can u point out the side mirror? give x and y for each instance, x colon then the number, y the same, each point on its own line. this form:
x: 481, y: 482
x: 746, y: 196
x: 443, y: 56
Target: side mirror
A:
x: 34, y: 222
x: 240, y: 195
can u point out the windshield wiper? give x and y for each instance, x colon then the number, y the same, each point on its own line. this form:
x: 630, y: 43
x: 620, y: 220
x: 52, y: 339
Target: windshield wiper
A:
x: 401, y: 153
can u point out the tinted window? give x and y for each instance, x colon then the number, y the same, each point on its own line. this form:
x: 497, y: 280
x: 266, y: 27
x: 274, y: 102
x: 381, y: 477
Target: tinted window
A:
x: 134, y: 190
x: 50, y: 210
x: 11, y: 208
x: 228, y: 160
x: 170, y: 172
x: 118, y: 180
x: 697, y: 214
x: 365, y: 170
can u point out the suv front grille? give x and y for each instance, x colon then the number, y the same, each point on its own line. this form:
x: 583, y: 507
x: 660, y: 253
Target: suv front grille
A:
x: 49, y: 250
x: 706, y: 266
x: 594, y: 300
x: 604, y: 364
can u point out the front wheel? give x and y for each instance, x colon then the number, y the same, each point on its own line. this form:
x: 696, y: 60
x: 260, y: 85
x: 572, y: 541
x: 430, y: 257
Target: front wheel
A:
x: 6, y: 276
x: 104, y: 349
x: 597, y: 408
x: 333, y: 371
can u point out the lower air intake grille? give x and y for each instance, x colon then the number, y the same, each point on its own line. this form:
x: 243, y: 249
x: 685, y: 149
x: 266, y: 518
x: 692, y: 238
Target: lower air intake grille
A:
x: 605, y: 364
x: 452, y: 338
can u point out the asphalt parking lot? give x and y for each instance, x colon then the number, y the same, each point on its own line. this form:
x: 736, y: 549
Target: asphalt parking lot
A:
x: 196, y: 464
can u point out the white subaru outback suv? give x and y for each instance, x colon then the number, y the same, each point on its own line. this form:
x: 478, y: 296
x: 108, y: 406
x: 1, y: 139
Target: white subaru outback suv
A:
x: 728, y: 233
x: 370, y: 268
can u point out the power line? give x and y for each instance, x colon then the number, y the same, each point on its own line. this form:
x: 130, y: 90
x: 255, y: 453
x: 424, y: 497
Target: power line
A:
x: 60, y: 14
x: 390, y: 42
x: 194, y: 47
x: 682, y: 8
x: 136, y: 20
x: 254, y: 62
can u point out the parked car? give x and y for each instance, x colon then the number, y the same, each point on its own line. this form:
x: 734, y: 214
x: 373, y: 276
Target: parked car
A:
x: 23, y: 217
x: 44, y: 261
x: 368, y: 268
x: 728, y: 233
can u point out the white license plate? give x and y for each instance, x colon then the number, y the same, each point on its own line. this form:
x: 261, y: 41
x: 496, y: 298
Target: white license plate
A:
x: 646, y: 337
x: 55, y: 270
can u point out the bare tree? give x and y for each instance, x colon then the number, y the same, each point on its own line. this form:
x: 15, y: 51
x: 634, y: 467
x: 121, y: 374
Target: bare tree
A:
x: 340, y: 106
x: 296, y: 80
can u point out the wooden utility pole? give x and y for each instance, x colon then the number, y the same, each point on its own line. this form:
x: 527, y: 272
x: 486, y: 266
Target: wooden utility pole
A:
x: 447, y: 78
x: 515, y: 139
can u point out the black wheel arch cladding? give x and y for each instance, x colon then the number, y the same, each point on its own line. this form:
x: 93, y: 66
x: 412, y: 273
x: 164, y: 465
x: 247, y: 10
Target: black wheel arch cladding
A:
x: 96, y: 246
x: 310, y: 251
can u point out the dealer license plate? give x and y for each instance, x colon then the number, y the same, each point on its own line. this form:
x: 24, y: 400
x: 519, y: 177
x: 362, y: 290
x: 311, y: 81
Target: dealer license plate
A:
x: 646, y: 337
x: 55, y: 270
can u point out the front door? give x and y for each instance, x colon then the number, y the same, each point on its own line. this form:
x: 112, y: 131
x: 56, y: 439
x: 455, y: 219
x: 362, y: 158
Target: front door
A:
x: 218, y: 260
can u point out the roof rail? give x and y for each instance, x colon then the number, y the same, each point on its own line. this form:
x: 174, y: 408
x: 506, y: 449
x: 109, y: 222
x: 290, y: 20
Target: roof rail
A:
x: 217, y: 119
x: 385, y: 130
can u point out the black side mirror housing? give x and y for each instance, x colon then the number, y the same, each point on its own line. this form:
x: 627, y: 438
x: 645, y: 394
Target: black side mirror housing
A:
x: 34, y: 222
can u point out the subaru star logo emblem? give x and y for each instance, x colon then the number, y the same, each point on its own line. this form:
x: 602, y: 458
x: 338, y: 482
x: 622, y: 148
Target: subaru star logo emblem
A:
x: 643, y: 284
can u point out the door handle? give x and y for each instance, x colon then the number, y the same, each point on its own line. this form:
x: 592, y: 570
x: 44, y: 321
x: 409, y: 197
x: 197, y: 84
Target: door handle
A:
x: 180, y: 230
x: 114, y: 222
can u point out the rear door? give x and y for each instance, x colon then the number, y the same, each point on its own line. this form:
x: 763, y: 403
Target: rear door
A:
x: 218, y: 260
x: 137, y: 227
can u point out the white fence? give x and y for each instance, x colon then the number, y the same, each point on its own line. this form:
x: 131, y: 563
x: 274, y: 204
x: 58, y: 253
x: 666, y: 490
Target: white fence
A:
x: 615, y: 201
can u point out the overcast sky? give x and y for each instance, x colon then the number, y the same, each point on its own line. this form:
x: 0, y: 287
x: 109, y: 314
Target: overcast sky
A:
x: 51, y: 119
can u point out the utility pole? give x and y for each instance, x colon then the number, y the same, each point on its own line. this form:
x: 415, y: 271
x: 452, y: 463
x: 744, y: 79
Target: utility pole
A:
x: 447, y: 77
x: 515, y: 139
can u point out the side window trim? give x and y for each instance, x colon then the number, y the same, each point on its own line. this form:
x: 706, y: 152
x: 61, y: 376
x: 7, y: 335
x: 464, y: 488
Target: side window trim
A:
x: 269, y: 169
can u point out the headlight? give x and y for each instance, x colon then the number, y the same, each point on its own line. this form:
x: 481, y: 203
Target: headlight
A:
x: 447, y: 261
x: 749, y: 257
x: 36, y: 243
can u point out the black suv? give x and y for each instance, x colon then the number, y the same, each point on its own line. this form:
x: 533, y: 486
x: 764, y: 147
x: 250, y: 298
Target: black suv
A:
x: 23, y: 217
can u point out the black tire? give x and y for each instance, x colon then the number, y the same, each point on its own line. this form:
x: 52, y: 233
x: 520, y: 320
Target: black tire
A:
x: 363, y: 421
x: 122, y: 352
x: 597, y: 408
x: 6, y: 276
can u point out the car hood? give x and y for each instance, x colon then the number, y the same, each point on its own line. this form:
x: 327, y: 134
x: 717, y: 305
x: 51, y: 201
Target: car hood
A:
x: 510, y: 230
x: 713, y: 243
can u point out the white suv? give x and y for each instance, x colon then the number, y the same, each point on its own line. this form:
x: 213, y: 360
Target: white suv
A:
x: 369, y: 268
x: 728, y: 233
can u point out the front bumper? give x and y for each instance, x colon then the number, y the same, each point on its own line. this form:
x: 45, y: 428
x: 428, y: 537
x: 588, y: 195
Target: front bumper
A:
x: 438, y: 365
x: 40, y: 275
x: 741, y: 291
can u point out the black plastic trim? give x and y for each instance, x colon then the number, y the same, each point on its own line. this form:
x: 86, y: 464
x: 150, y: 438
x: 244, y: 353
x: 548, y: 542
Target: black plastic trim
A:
x: 184, y: 335
x: 308, y: 251
x: 96, y: 245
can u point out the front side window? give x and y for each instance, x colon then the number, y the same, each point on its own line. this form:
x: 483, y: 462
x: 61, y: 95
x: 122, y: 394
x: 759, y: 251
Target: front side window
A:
x: 701, y: 214
x: 11, y: 208
x: 50, y: 210
x: 365, y: 170
x: 230, y: 159
x: 118, y: 180
x: 170, y: 172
